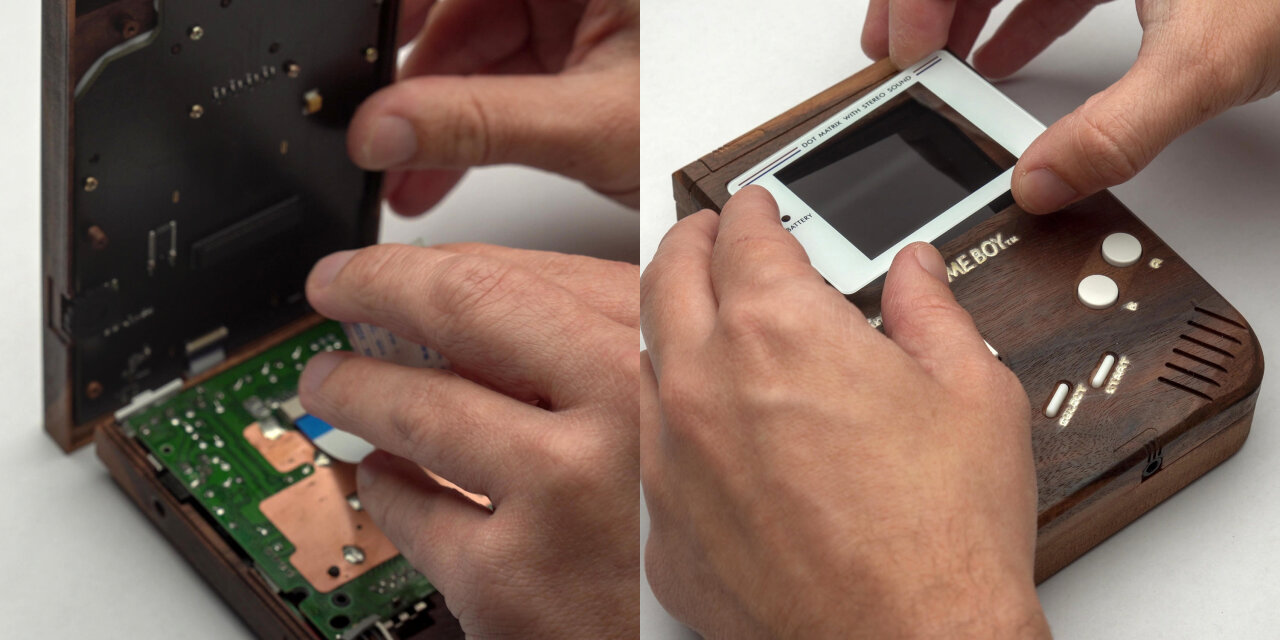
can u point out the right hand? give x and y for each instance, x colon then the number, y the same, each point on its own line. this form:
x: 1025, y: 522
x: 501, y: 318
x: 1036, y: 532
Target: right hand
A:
x: 538, y: 412
x: 553, y: 84
x: 1198, y: 59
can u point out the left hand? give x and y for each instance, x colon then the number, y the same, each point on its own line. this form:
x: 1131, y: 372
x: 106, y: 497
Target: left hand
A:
x: 539, y: 414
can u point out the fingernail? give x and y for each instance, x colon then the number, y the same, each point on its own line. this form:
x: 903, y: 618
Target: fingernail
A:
x: 318, y: 369
x: 1043, y: 191
x: 327, y: 269
x: 930, y: 260
x: 392, y: 142
x: 365, y: 473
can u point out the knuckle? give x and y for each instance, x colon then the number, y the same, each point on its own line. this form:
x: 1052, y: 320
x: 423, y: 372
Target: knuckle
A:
x: 1112, y: 149
x: 409, y: 418
x: 928, y: 313
x: 464, y: 281
x: 373, y: 269
x: 466, y: 137
x: 761, y: 319
x: 627, y: 364
x: 577, y: 465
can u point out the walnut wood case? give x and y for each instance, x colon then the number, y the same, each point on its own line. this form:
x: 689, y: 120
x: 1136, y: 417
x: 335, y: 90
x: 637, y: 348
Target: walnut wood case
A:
x: 1184, y: 399
x: 205, y: 101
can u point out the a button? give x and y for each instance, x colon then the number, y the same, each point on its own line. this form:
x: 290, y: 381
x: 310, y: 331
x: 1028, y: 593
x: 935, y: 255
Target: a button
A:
x: 1103, y: 371
x: 1098, y: 292
x: 1056, y: 402
x: 1121, y: 250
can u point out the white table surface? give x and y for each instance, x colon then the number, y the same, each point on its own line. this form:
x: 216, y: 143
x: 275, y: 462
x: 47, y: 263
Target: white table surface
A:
x: 1202, y: 565
x: 78, y: 559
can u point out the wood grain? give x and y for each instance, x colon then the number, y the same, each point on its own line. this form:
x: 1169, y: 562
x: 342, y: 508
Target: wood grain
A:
x: 1193, y: 364
x: 55, y: 185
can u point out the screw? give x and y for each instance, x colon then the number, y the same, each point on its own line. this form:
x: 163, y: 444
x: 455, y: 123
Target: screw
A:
x: 94, y: 390
x: 91, y: 184
x: 128, y: 27
x: 197, y: 112
x: 292, y: 69
x: 371, y: 54
x: 353, y: 554
x: 98, y: 238
x: 196, y: 32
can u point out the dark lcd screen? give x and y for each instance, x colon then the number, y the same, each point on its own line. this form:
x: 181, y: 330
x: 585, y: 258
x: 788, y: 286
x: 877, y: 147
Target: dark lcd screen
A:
x: 890, y: 173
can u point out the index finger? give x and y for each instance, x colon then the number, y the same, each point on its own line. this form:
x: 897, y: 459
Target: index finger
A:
x: 753, y: 250
x: 918, y: 27
x: 677, y: 303
x: 495, y: 322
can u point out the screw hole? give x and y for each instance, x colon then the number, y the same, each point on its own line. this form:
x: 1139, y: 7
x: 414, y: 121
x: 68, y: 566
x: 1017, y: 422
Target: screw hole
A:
x: 1153, y: 466
x: 274, y: 48
x: 341, y: 599
x: 339, y: 622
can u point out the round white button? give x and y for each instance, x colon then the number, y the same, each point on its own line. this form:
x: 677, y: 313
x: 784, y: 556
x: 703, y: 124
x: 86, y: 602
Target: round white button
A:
x: 1121, y: 250
x: 1098, y: 292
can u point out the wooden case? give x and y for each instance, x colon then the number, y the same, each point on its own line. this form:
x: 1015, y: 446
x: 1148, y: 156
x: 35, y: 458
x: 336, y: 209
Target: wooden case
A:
x: 73, y: 38
x: 1181, y: 398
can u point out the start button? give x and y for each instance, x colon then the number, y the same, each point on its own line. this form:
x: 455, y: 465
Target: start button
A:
x: 1121, y: 250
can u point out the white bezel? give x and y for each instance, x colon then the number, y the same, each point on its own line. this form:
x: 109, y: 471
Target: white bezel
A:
x: 842, y: 264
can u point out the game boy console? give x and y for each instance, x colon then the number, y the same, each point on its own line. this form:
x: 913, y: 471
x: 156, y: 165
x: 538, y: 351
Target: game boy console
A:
x: 195, y: 168
x: 1141, y: 376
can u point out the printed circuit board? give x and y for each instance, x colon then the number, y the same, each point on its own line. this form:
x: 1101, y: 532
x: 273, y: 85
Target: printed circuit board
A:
x: 292, y: 511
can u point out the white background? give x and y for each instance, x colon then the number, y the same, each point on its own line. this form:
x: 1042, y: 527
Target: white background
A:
x: 1202, y: 565
x: 78, y: 559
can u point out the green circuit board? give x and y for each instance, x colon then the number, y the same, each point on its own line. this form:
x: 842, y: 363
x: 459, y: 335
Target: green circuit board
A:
x: 198, y: 435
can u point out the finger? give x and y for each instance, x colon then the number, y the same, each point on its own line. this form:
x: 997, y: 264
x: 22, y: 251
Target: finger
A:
x: 1115, y: 134
x: 413, y: 15
x: 917, y: 28
x: 465, y: 37
x: 435, y: 527
x: 1030, y: 28
x: 542, y: 121
x: 437, y: 419
x: 921, y: 315
x: 752, y: 249
x: 611, y: 288
x: 411, y: 193
x: 970, y: 17
x: 875, y: 31
x: 496, y: 323
x: 677, y: 303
